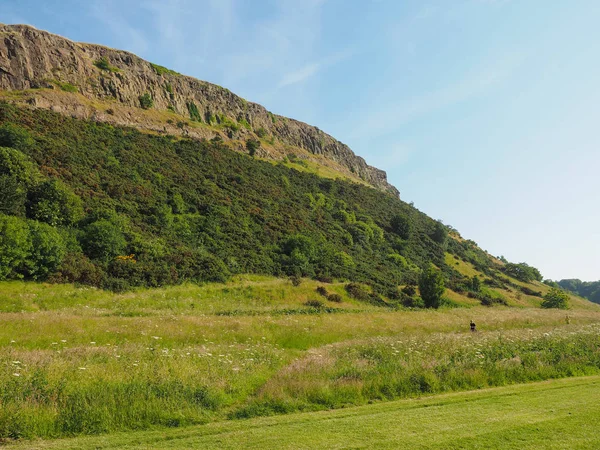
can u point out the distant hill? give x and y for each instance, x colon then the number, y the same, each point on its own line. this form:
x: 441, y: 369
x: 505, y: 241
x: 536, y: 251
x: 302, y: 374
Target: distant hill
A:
x: 585, y: 289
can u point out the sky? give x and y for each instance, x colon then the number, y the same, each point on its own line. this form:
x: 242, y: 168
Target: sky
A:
x: 484, y: 113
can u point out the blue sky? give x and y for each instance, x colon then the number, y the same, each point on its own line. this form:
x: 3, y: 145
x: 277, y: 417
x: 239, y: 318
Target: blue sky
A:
x: 484, y: 113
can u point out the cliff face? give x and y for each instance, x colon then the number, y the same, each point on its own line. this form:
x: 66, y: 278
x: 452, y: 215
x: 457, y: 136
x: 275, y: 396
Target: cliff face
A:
x: 31, y: 59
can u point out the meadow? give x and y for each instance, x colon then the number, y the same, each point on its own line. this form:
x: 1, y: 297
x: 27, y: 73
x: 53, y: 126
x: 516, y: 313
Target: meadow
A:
x: 79, y: 360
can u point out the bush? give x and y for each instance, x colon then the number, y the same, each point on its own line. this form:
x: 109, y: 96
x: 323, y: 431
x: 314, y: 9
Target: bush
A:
x: 296, y: 280
x: 15, y: 246
x: 54, y: 203
x: 322, y: 291
x: 194, y: 113
x: 336, y: 298
x: 317, y: 304
x: 103, y: 240
x: 15, y: 136
x: 431, y: 286
x: 146, y: 101
x: 103, y: 64
x: 487, y: 300
x: 261, y: 132
x: 357, y: 291
x: 252, y: 145
x: 47, y: 250
x: 556, y: 298
x: 77, y: 268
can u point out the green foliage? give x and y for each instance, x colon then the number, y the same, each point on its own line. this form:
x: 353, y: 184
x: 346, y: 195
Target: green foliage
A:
x: 184, y: 199
x: 523, y: 272
x: 103, y: 64
x: 193, y: 111
x: 261, y: 133
x: 440, y: 233
x: 475, y: 284
x: 431, y: 286
x: 15, y: 246
x: 15, y: 136
x: 556, y: 298
x: 252, y: 145
x: 146, y: 101
x: 47, y: 250
x: 586, y: 289
x: 161, y: 70
x: 54, y: 203
x: 245, y: 124
x: 401, y: 226
x: 103, y: 240
x: 67, y: 87
x: 12, y: 196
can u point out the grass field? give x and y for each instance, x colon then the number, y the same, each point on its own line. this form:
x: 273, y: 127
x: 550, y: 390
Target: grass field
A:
x: 560, y: 414
x: 77, y: 361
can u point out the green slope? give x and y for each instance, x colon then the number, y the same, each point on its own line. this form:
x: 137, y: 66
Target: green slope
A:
x: 560, y: 414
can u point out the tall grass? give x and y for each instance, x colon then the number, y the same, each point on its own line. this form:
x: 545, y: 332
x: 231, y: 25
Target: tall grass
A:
x: 83, y: 361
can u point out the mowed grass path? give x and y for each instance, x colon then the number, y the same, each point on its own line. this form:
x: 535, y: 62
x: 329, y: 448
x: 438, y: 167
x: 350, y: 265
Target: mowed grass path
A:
x: 557, y: 414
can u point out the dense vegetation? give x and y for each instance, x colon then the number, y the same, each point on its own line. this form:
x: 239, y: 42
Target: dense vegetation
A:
x: 91, y: 203
x: 585, y: 289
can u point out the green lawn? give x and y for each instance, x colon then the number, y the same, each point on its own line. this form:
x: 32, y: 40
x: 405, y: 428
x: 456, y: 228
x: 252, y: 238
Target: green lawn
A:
x: 558, y: 414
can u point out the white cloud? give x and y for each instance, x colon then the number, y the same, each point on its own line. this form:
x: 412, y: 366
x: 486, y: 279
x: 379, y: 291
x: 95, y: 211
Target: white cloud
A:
x: 299, y: 75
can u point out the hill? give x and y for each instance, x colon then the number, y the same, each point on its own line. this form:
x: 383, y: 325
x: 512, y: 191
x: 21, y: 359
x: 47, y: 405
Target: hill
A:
x: 88, y: 81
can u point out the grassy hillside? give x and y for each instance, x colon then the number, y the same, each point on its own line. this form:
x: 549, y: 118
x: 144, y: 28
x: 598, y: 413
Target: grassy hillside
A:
x: 90, y: 203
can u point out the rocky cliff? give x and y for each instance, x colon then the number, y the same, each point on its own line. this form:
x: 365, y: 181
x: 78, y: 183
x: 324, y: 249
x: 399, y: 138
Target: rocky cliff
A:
x: 82, y: 79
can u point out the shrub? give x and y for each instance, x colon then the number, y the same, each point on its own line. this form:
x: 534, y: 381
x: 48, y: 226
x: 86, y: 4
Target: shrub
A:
x: 245, y: 124
x: 103, y: 240
x: 322, y: 291
x: 296, y: 280
x: 431, y: 286
x: 77, y: 268
x: 146, y: 101
x: 15, y: 136
x: 317, y: 304
x: 193, y: 110
x: 336, y: 298
x: 47, y: 250
x: 357, y: 291
x: 103, y: 64
x: 556, y: 298
x: 252, y: 145
x: 487, y: 300
x: 54, y: 203
x: 409, y: 290
x: 161, y: 70
x: 261, y: 132
x: 15, y: 246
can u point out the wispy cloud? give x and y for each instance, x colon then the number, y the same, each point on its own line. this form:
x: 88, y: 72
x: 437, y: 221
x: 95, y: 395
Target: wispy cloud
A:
x: 299, y: 75
x: 389, y: 117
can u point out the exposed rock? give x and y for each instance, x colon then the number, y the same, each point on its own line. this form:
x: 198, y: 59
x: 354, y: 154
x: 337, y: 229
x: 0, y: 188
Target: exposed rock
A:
x: 33, y: 59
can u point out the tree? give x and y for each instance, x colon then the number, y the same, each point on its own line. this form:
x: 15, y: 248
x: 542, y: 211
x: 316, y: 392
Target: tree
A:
x: 47, y: 250
x: 476, y: 283
x: 103, y: 240
x: 523, y: 272
x: 146, y: 101
x: 431, y: 286
x: 252, y: 145
x: 54, y: 203
x: 556, y: 298
x: 440, y: 233
x: 401, y: 226
x: 15, y: 245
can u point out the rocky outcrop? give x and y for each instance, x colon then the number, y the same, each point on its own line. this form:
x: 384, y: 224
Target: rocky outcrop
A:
x: 30, y: 59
